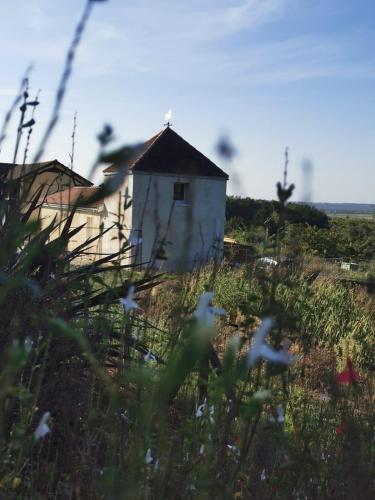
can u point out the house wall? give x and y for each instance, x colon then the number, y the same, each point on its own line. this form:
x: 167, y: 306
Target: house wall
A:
x: 115, y: 213
x: 193, y: 232
x: 90, y: 216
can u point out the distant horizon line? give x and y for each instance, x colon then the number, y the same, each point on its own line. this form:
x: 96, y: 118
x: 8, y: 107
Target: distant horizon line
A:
x: 336, y: 203
x: 311, y: 202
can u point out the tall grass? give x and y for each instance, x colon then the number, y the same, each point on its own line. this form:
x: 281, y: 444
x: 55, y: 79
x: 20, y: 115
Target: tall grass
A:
x: 153, y: 403
x: 98, y: 400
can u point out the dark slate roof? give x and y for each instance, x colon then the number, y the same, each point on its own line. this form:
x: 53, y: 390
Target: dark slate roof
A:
x: 29, y: 169
x: 168, y: 153
x: 75, y: 193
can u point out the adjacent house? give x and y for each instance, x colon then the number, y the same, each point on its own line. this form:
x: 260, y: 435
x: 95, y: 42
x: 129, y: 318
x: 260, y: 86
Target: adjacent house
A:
x: 57, y: 206
x: 52, y: 175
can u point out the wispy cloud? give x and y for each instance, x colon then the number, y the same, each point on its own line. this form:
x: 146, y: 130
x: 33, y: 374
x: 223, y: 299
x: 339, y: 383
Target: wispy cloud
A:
x: 189, y: 40
x: 151, y: 35
x: 197, y: 22
x: 36, y: 15
x: 196, y: 40
x: 298, y: 58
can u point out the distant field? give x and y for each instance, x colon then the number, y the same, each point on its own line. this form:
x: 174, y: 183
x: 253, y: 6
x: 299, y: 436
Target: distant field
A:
x: 354, y: 215
x: 351, y: 210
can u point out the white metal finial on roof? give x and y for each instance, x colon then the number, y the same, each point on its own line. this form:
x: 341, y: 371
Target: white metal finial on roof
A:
x: 168, y: 118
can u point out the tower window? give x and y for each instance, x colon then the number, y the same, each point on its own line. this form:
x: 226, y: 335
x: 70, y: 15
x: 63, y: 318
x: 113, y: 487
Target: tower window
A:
x: 180, y: 192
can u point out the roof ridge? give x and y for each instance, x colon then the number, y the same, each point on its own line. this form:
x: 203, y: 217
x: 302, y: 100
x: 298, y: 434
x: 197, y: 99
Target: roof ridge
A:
x: 189, y: 158
x: 28, y: 164
x: 29, y: 169
x: 169, y: 130
x: 197, y: 150
x: 153, y: 139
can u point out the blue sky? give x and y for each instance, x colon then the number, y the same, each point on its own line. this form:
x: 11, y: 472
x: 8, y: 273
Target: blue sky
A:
x: 270, y: 73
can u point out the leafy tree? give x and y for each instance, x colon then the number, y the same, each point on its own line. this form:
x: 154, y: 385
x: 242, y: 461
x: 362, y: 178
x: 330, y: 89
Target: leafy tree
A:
x: 256, y: 212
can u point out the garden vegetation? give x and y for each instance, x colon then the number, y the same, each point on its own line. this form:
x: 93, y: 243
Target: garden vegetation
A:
x: 226, y: 382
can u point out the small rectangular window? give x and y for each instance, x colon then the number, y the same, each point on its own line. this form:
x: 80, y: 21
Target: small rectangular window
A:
x: 180, y: 192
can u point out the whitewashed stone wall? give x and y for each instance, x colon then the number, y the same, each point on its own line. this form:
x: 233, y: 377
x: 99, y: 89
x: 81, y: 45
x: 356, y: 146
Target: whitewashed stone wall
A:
x: 193, y: 231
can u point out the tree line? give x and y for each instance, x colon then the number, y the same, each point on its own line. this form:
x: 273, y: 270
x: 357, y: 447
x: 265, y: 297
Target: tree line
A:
x: 306, y: 230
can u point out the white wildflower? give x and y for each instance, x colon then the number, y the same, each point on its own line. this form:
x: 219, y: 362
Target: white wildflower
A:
x: 268, y: 261
x: 325, y: 397
x: 211, y: 414
x: 124, y: 416
x: 201, y: 450
x: 42, y: 428
x: 262, y: 394
x: 235, y: 451
x: 205, y: 313
x: 149, y: 458
x: 150, y: 358
x: 280, y: 417
x: 260, y: 349
x: 263, y: 476
x: 134, y: 239
x: 200, y: 410
x: 128, y: 302
x: 28, y: 343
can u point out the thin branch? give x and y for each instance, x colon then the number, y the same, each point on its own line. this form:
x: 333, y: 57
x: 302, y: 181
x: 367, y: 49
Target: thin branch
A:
x: 23, y: 109
x: 30, y: 129
x: 286, y: 163
x: 73, y: 136
x: 17, y: 100
x: 65, y: 78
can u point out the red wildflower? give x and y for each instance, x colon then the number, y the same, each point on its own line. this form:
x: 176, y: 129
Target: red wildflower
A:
x: 343, y: 428
x: 348, y: 376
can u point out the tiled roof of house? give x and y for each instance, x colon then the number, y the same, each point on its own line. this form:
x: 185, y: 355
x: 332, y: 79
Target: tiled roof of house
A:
x: 29, y: 169
x: 168, y: 153
x: 70, y: 196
